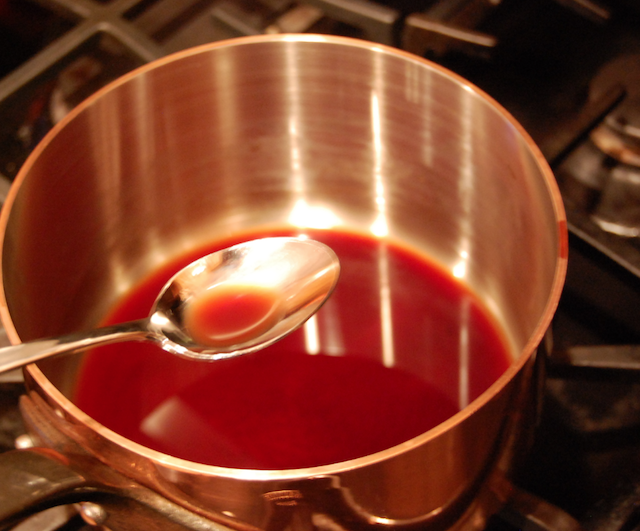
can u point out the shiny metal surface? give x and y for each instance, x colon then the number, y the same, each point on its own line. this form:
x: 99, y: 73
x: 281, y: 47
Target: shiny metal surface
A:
x: 297, y: 131
x: 300, y: 273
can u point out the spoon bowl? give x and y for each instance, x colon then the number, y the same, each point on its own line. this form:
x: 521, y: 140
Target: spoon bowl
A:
x: 232, y: 302
x: 295, y: 275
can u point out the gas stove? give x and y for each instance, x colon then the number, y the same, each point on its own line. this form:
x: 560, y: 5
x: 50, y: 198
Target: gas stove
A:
x: 568, y: 70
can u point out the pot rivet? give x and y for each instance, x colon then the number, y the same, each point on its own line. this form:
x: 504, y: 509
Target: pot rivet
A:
x: 92, y: 513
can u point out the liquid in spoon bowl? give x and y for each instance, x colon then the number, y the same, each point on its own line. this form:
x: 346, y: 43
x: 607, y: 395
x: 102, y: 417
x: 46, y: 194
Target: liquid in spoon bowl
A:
x: 231, y: 314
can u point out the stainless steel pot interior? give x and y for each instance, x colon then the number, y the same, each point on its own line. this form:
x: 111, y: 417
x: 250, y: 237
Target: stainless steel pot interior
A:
x: 304, y: 131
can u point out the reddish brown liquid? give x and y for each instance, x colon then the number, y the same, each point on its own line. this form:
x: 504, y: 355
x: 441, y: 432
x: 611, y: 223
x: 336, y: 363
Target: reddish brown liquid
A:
x: 284, y: 407
x: 231, y: 314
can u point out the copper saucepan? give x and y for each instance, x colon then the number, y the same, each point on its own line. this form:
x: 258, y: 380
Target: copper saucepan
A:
x: 231, y: 137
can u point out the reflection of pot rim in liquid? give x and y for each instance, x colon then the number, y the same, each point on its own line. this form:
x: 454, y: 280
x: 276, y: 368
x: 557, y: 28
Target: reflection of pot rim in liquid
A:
x: 229, y: 314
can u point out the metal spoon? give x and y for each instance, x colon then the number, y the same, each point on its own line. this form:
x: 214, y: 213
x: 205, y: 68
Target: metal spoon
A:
x: 297, y: 274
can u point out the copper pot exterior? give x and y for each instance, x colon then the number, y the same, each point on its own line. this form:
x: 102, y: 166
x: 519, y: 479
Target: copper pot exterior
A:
x: 248, y: 133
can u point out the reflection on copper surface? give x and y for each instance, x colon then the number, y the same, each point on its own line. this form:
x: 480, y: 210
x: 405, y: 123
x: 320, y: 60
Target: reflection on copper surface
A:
x: 314, y: 217
x: 386, y: 315
x: 463, y: 355
x: 311, y: 335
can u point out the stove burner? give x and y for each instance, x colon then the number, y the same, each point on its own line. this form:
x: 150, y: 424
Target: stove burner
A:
x: 617, y: 138
x: 619, y: 134
x: 618, y: 210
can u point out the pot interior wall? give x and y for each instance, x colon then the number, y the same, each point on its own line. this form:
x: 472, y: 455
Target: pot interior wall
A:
x: 247, y: 135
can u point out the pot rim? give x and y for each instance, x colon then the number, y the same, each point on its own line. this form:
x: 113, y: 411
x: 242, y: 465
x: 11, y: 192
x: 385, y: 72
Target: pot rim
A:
x: 182, y: 465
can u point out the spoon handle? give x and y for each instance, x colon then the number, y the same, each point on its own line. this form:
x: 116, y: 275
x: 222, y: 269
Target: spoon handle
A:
x: 23, y: 354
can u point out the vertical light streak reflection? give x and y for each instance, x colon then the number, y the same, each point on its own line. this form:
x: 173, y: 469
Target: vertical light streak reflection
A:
x: 297, y: 179
x: 310, y: 329
x: 303, y: 214
x: 380, y: 227
x: 145, y: 125
x: 223, y: 73
x: 105, y: 134
x: 332, y: 340
x: 418, y: 90
x: 460, y: 269
x: 294, y: 110
x: 386, y: 312
x: 311, y: 335
x: 463, y: 356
